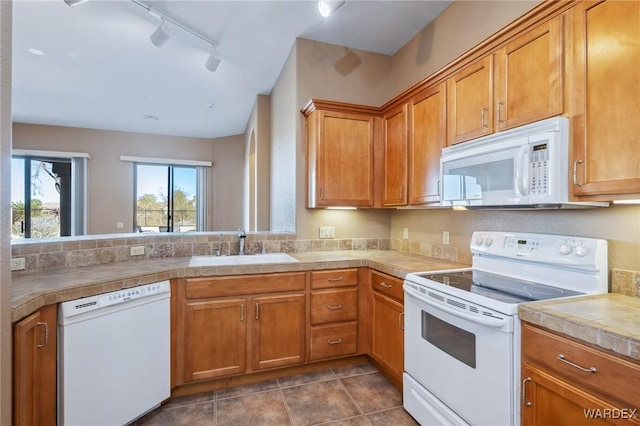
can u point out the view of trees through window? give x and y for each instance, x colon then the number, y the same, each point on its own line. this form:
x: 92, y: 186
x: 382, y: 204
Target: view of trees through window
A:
x: 37, y: 209
x: 165, y: 198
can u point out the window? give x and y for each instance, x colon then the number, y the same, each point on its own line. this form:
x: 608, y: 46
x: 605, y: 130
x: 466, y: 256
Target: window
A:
x: 47, y: 194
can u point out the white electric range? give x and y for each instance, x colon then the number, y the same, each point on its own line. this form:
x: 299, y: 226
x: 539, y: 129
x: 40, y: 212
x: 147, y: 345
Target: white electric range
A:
x: 462, y: 332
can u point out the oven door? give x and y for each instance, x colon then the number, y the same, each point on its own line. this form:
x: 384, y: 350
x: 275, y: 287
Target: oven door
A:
x: 463, y: 356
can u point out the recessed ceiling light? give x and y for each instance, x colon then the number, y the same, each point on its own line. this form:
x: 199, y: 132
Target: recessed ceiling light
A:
x: 209, y: 105
x: 73, y: 55
x: 36, y: 52
x: 151, y: 117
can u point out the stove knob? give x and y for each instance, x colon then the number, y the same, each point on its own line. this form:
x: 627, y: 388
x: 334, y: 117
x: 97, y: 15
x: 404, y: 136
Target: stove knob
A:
x: 488, y: 241
x: 581, y: 251
x: 564, y: 249
x: 479, y: 241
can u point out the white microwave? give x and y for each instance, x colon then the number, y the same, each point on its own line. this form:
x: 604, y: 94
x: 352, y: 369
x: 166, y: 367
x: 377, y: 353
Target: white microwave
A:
x: 525, y: 167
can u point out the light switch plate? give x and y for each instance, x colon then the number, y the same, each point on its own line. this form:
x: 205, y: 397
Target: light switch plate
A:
x: 445, y: 237
x: 327, y: 232
x: 405, y: 233
x: 18, y: 264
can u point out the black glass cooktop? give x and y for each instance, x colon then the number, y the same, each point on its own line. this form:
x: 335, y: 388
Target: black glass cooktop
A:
x: 498, y: 287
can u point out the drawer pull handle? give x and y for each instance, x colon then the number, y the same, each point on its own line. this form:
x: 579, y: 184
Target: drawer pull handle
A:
x: 524, y: 392
x: 334, y: 279
x: 333, y: 308
x: 566, y: 361
x: 242, y: 312
x: 385, y: 285
x: 334, y: 342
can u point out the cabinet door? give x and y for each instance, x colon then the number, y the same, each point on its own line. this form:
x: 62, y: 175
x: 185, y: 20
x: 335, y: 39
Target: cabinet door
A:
x: 428, y: 136
x: 388, y: 334
x: 279, y: 325
x: 606, y: 129
x: 470, y: 100
x: 548, y: 400
x: 35, y: 368
x: 215, y: 338
x: 395, y: 157
x: 529, y: 77
x: 344, y: 159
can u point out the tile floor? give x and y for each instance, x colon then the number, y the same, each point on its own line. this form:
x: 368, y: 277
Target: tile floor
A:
x: 346, y: 396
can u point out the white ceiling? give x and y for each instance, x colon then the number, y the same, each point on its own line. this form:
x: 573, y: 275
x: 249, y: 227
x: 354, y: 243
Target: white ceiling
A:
x: 100, y: 70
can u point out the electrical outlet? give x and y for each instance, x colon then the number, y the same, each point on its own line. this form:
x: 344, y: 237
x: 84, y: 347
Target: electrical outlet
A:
x: 327, y: 232
x: 119, y: 225
x: 17, y: 264
x: 445, y: 237
x: 137, y: 250
x: 405, y: 233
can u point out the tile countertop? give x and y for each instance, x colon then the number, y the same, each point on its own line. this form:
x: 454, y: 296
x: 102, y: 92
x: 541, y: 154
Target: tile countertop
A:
x: 608, y: 321
x: 32, y: 291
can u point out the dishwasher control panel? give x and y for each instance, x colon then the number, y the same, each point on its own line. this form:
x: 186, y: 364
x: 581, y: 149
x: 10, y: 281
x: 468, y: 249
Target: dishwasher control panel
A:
x: 87, y: 304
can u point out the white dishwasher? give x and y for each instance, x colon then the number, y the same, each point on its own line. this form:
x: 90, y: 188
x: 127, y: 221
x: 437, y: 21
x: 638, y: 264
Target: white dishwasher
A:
x: 114, y: 356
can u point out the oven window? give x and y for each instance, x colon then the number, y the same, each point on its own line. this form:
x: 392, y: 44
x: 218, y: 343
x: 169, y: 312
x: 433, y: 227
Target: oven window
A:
x: 455, y: 341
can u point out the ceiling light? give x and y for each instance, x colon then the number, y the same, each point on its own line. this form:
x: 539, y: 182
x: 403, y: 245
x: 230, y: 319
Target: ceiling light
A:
x: 74, y: 3
x: 161, y: 35
x: 214, y: 60
x: 36, y: 52
x: 327, y: 7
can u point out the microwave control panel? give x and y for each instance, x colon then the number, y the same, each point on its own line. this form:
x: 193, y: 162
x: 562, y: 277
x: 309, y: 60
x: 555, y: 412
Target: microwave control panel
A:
x: 539, y: 169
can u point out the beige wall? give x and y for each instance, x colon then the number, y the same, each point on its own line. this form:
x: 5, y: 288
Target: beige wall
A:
x: 258, y: 132
x: 283, y: 148
x: 227, y: 183
x: 110, y: 180
x: 5, y: 206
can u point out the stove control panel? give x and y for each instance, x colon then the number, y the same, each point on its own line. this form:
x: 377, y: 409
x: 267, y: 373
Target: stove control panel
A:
x: 546, y: 248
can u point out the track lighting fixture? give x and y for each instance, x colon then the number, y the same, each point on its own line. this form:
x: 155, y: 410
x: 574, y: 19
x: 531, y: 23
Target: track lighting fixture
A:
x: 162, y: 34
x: 327, y: 7
x: 73, y: 3
x: 214, y: 60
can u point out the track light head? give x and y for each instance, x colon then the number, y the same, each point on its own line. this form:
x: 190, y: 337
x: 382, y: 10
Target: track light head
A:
x: 73, y: 3
x: 327, y: 7
x: 214, y: 60
x: 161, y: 35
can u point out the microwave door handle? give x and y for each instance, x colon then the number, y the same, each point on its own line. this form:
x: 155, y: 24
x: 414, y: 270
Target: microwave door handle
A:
x: 522, y: 170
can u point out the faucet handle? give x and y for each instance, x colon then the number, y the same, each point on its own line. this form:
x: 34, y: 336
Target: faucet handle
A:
x: 241, y: 233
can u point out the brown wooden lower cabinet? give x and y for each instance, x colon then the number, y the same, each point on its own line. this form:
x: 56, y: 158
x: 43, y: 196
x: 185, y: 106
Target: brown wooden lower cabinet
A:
x: 34, y: 358
x: 568, y: 383
x: 388, y: 325
x: 279, y: 324
x: 220, y: 334
x: 209, y: 326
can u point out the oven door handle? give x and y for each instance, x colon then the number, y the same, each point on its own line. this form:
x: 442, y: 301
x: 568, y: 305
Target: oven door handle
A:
x: 488, y: 321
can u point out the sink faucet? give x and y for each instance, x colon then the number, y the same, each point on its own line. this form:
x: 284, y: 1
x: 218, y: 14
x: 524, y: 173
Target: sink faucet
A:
x: 218, y: 250
x: 241, y: 237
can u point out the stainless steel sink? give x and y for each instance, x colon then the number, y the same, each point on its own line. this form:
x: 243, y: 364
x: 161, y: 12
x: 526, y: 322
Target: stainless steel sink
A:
x: 253, y: 259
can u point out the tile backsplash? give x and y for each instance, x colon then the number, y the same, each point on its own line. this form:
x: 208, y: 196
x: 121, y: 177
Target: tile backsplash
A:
x: 41, y: 256
x: 625, y: 282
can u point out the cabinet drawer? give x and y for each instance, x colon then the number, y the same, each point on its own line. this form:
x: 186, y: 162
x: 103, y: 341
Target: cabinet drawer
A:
x: 334, y: 340
x: 334, y: 278
x: 614, y: 378
x: 386, y: 284
x: 334, y: 305
x: 202, y: 288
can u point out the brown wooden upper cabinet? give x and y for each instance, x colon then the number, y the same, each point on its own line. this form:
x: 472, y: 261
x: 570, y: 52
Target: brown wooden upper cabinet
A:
x: 520, y: 83
x: 606, y: 129
x: 340, y: 157
x: 428, y: 135
x: 395, y: 156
